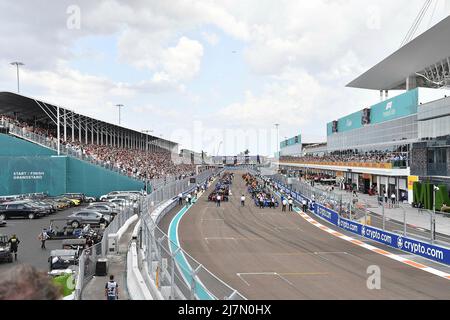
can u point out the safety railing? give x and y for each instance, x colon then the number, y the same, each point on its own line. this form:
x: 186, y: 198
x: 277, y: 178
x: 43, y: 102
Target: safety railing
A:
x: 89, y: 257
x: 168, y: 264
x: 333, y: 200
x: 354, y: 208
x: 172, y: 267
x: 86, y: 267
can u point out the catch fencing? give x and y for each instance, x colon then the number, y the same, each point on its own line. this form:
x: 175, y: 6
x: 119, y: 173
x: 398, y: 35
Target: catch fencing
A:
x: 90, y: 256
x: 144, y: 205
x: 172, y: 268
x: 394, y: 238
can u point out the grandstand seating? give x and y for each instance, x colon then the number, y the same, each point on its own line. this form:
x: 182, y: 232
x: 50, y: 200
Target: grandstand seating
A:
x: 139, y: 164
x: 374, y: 159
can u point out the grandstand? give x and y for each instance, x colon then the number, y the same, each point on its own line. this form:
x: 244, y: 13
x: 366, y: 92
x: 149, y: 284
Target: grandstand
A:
x: 238, y: 160
x: 391, y: 144
x: 45, y: 136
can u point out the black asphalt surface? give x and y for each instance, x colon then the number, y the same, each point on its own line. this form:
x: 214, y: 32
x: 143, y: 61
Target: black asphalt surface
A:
x: 266, y: 254
x: 27, y: 231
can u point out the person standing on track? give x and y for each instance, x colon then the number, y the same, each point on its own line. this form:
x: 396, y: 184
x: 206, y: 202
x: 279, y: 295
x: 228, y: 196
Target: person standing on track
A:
x: 305, y: 205
x: 180, y: 199
x: 14, y: 244
x: 261, y: 202
x: 218, y: 198
x: 284, y: 204
x: 243, y: 201
x: 291, y: 203
x: 272, y: 201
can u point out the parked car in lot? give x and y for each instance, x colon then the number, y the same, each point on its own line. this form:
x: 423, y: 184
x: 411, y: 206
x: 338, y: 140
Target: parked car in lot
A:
x: 19, y: 209
x: 61, y: 204
x: 77, y: 196
x: 90, y: 199
x: 69, y: 202
x: 120, y: 202
x: 51, y: 203
x: 103, y: 208
x: 73, y: 202
x: 130, y: 199
x: 88, y: 217
x: 44, y: 207
x: 115, y: 206
x: 113, y: 194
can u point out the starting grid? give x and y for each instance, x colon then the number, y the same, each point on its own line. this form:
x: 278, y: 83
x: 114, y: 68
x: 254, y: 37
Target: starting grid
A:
x: 393, y: 240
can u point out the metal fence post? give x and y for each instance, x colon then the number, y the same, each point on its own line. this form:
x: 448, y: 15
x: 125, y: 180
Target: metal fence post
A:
x: 194, y: 282
x: 172, y: 274
x: 431, y: 228
x: 404, y: 222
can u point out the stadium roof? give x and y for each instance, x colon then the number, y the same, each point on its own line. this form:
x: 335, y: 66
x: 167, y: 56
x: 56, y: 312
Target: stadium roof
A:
x: 427, y: 58
x: 26, y: 108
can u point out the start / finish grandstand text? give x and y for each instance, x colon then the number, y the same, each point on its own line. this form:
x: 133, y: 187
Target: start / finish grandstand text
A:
x: 197, y: 151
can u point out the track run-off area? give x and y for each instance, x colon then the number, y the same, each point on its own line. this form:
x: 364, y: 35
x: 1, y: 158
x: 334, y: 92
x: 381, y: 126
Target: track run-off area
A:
x: 269, y: 254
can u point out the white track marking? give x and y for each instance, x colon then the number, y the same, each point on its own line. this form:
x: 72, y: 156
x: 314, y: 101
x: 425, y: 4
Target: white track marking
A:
x: 367, y: 246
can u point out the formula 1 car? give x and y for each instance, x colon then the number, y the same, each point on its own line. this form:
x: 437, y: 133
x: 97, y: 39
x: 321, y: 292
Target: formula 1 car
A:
x: 213, y: 196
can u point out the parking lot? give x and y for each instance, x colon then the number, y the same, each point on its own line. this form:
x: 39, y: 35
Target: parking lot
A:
x: 27, y: 231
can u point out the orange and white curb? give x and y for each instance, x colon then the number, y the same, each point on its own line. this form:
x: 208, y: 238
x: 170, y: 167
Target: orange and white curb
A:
x: 392, y: 256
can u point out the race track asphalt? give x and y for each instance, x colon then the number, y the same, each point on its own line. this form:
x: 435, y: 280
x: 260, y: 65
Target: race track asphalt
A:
x: 267, y: 254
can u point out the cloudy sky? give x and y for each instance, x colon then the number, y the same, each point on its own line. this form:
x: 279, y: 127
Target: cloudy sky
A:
x: 203, y: 71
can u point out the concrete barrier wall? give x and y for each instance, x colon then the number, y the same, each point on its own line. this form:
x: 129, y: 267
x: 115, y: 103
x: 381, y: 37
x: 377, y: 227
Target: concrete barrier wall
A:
x: 137, y: 288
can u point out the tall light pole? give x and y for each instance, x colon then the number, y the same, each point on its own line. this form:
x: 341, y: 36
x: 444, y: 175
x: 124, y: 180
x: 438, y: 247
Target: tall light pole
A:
x: 17, y: 64
x: 218, y: 149
x: 277, y: 125
x: 433, y: 218
x: 120, y: 106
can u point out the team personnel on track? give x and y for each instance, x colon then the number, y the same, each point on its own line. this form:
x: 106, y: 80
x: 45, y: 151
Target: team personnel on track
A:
x: 218, y: 198
x: 305, y: 205
x: 284, y: 204
x: 243, y: 201
x: 291, y: 203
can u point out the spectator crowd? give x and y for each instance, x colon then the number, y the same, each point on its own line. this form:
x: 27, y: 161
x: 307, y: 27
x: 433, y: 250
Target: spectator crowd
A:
x: 136, y: 163
x: 398, y: 157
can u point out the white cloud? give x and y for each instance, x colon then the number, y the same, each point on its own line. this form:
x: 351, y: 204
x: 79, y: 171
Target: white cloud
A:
x: 211, y: 38
x: 303, y: 52
x: 289, y: 98
x: 182, y: 62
